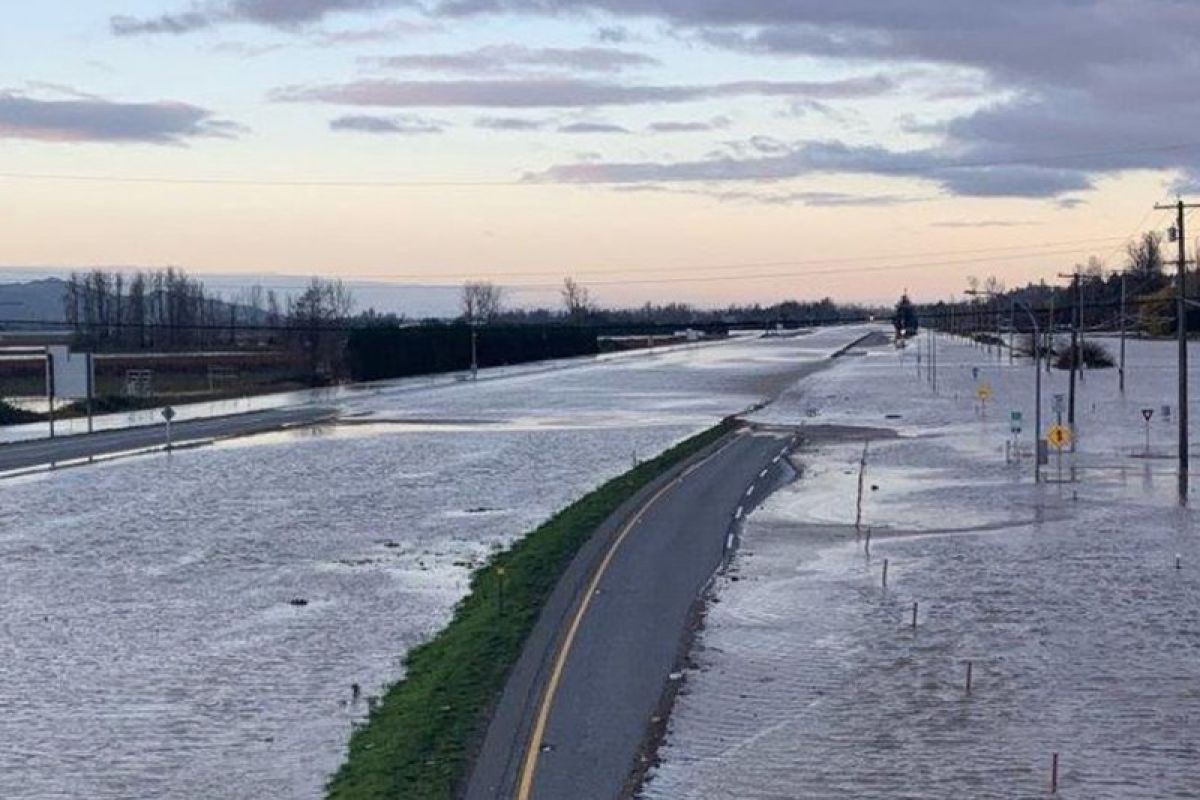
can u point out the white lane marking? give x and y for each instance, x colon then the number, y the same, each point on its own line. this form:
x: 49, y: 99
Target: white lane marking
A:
x: 738, y: 514
x: 776, y: 459
x: 763, y: 474
x: 729, y: 542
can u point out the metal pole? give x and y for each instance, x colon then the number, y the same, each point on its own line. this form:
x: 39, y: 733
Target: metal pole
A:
x: 1121, y: 371
x: 474, y: 352
x: 1037, y: 409
x: 50, y: 388
x: 91, y: 387
x: 1074, y: 366
x: 933, y: 344
x: 1181, y: 305
x: 1082, y: 325
x: 1049, y: 332
x: 1012, y: 331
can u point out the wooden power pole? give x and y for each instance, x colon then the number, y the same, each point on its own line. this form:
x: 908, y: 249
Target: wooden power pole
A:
x: 1181, y: 332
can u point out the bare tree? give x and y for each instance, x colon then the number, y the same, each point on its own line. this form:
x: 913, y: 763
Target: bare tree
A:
x: 576, y: 300
x: 481, y: 301
x: 1145, y: 255
x: 316, y: 317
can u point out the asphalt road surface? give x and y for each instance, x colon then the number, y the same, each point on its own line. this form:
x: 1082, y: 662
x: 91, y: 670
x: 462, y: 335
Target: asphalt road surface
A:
x: 579, y: 704
x: 21, y: 456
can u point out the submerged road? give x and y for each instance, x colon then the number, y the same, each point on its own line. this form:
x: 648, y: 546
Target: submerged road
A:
x: 42, y: 452
x: 580, y: 704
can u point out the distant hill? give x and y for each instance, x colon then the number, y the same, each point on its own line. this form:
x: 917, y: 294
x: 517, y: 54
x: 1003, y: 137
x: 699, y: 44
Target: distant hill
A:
x: 33, y: 301
x: 40, y: 298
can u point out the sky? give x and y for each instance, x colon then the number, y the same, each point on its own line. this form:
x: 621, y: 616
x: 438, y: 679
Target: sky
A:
x: 705, y: 151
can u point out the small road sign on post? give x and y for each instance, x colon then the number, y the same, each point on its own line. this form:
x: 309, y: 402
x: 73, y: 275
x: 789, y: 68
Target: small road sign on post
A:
x: 168, y: 414
x: 1147, y: 415
x: 1059, y: 436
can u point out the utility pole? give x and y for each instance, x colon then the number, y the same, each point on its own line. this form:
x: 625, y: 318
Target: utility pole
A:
x: 1050, y: 333
x: 931, y: 369
x: 1081, y: 324
x: 1012, y: 331
x: 1121, y: 371
x: 1075, y: 357
x: 1181, y: 326
x: 474, y: 351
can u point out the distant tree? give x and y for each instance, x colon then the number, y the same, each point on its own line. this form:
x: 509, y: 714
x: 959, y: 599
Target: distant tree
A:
x: 1145, y: 255
x: 577, y: 300
x: 905, y: 318
x: 1093, y: 270
x: 316, y: 318
x: 481, y: 301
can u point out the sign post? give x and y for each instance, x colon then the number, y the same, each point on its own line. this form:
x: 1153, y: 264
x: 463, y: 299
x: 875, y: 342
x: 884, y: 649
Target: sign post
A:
x: 984, y: 393
x: 168, y: 414
x: 1147, y: 415
x: 1059, y: 435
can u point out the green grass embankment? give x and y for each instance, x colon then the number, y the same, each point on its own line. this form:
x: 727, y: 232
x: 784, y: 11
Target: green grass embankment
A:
x: 419, y: 740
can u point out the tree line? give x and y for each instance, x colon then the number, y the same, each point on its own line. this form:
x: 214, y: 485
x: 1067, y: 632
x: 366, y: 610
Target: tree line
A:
x: 483, y: 302
x: 168, y: 310
x: 1140, y: 273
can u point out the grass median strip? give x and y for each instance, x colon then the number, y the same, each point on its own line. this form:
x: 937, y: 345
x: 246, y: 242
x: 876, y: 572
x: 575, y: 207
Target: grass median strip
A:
x: 417, y: 742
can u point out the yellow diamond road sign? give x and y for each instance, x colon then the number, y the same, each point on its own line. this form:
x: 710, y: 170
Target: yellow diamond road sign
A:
x: 1059, y: 436
x: 984, y: 392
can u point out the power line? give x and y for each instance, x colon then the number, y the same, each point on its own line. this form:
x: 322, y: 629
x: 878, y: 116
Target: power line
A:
x: 916, y: 169
x: 265, y: 183
x: 751, y: 264
x: 1001, y: 253
x: 807, y: 273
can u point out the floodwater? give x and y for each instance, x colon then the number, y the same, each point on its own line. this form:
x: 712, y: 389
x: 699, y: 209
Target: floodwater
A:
x: 1084, y: 637
x: 190, y: 625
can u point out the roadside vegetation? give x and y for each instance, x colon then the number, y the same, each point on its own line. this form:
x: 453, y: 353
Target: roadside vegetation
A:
x: 420, y: 738
x: 1092, y: 355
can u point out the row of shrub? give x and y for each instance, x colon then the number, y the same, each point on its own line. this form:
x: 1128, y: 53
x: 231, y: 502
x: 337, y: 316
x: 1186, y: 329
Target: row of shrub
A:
x: 379, y: 353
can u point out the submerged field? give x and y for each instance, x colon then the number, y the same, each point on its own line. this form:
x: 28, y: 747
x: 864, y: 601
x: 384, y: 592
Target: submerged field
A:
x: 152, y: 647
x: 1083, y: 635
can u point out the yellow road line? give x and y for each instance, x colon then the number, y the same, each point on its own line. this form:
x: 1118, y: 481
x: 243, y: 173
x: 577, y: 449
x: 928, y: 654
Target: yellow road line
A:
x: 532, y: 754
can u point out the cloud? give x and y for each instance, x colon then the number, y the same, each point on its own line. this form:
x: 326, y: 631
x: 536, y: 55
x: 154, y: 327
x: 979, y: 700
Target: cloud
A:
x: 564, y: 92
x: 1121, y: 84
x: 503, y: 58
x: 407, y: 125
x: 386, y: 32
x: 88, y: 119
x: 165, y: 23
x: 510, y: 124
x: 762, y: 159
x: 592, y: 127
x: 276, y: 13
x: 972, y: 224
x: 699, y: 126
x: 812, y: 199
x: 613, y: 34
